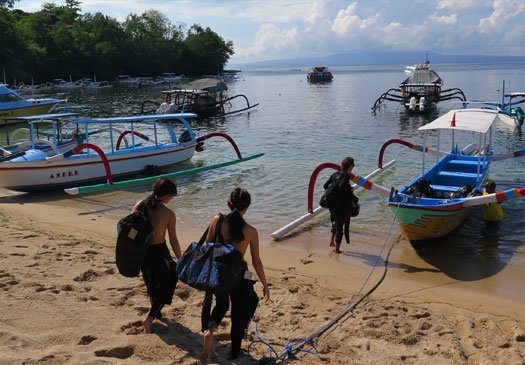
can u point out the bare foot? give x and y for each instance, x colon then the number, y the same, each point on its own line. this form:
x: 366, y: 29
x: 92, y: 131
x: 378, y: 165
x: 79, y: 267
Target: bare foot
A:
x: 338, y: 251
x: 147, y: 325
x: 208, y: 344
x: 331, y: 244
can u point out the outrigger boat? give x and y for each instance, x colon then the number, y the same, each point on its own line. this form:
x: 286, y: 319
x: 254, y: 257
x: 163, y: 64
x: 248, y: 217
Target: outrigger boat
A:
x: 204, y: 97
x: 435, y: 203
x: 89, y: 167
x: 420, y: 91
x: 12, y: 105
x: 510, y: 108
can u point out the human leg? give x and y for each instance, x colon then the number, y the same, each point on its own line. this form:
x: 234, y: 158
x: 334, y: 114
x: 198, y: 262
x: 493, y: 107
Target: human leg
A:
x: 339, y: 223
x: 210, y: 320
x: 244, y: 303
x: 347, y: 229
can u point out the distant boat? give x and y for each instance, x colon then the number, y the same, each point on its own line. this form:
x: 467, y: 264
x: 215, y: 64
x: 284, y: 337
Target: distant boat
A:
x: 126, y: 80
x: 421, y: 90
x: 13, y: 105
x: 319, y: 74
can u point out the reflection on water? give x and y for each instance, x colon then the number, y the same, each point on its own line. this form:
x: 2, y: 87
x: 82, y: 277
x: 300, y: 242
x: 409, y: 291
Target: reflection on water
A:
x: 299, y: 126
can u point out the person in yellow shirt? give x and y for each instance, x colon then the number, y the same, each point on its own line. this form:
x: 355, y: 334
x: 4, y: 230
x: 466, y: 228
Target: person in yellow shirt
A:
x: 492, y: 212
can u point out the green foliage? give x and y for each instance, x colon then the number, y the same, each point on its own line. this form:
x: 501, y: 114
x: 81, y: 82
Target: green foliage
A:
x: 59, y: 42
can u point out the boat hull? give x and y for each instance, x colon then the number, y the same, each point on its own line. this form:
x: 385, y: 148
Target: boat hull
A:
x: 419, y: 223
x: 35, y: 108
x: 87, y: 169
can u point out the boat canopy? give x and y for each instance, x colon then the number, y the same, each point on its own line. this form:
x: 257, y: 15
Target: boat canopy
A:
x: 470, y: 120
x: 514, y: 95
x: 422, y: 76
x: 211, y: 85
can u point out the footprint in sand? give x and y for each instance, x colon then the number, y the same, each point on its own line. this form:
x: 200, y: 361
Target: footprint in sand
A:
x: 116, y: 352
x: 89, y: 275
x: 132, y: 328
x: 86, y: 340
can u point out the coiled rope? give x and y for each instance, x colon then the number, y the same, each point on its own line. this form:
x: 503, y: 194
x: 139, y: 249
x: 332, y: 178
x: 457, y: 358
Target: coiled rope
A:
x: 296, y: 345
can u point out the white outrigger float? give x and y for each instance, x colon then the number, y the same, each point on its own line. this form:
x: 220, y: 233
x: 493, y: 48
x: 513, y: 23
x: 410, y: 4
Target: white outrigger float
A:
x: 87, y: 167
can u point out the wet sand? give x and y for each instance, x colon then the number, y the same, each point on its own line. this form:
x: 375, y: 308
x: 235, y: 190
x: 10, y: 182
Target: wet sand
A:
x: 64, y: 301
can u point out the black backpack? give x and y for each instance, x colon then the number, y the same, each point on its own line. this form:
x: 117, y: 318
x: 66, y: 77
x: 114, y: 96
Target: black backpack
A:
x: 331, y: 195
x: 133, y: 231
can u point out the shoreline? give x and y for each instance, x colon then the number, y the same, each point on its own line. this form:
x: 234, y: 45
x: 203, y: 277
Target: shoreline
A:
x: 63, y: 260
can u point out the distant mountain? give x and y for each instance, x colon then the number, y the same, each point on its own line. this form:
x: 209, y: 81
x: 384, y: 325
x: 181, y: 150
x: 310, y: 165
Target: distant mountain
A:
x: 378, y: 58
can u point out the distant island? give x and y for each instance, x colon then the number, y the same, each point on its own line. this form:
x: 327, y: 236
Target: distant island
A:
x: 377, y: 58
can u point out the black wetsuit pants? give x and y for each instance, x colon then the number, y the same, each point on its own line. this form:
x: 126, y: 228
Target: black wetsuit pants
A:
x: 244, y: 302
x: 160, y: 277
x: 340, y: 224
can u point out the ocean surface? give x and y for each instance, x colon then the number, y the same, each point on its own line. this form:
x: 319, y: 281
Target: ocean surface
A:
x: 299, y: 126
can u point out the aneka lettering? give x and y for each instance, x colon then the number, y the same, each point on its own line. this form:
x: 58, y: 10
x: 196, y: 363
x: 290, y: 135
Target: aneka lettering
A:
x: 58, y: 175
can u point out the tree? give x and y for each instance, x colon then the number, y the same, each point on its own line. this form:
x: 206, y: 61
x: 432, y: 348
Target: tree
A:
x: 7, y: 3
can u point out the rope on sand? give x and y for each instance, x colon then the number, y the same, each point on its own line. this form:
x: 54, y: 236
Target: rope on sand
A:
x: 296, y: 345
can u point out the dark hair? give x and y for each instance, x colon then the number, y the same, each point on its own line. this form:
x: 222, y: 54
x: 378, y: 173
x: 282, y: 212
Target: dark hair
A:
x: 161, y: 187
x: 490, y: 186
x: 347, y: 163
x: 239, y: 200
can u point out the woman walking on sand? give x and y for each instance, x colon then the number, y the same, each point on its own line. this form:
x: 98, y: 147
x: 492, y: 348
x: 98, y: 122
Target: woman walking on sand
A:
x: 158, y: 268
x: 232, y: 228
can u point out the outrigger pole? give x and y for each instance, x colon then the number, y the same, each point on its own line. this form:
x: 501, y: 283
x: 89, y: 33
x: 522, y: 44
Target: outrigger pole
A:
x: 149, y: 180
x: 313, y: 212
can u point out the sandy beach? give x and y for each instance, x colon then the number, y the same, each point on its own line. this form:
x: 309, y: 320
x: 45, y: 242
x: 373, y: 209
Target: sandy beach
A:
x: 64, y: 302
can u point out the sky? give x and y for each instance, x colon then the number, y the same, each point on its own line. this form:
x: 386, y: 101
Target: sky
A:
x: 264, y: 30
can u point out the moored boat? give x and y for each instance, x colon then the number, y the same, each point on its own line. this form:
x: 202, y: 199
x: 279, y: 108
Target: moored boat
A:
x: 13, y: 105
x: 319, y: 74
x: 90, y: 163
x: 435, y: 203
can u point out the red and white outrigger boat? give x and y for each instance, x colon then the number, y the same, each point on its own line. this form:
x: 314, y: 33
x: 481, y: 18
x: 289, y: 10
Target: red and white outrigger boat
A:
x: 89, y: 167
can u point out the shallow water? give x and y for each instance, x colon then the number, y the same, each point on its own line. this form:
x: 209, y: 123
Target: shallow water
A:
x: 299, y: 126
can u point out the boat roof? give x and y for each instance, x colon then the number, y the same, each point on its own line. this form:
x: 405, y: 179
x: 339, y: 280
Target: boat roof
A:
x: 513, y: 95
x: 43, y: 117
x: 422, y: 76
x: 136, y: 118
x: 85, y: 120
x: 471, y: 120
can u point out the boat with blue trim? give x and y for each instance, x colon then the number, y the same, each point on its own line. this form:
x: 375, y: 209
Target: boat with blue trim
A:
x: 13, y: 105
x: 98, y: 161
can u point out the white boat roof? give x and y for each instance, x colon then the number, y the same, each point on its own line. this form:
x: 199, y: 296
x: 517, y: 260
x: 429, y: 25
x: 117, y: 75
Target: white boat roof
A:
x: 46, y: 116
x: 136, y: 118
x: 513, y: 95
x: 470, y: 120
x: 85, y: 120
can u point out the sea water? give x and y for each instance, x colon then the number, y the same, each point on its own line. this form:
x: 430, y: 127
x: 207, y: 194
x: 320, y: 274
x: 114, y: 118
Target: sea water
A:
x: 299, y: 126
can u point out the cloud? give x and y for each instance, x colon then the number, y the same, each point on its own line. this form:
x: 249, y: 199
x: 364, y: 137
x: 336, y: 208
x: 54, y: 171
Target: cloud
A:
x: 503, y: 12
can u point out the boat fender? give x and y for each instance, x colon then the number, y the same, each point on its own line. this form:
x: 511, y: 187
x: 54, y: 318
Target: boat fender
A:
x: 162, y: 108
x: 31, y: 155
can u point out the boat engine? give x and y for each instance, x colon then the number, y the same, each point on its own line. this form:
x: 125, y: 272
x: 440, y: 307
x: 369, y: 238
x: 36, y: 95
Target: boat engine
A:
x: 412, y: 104
x: 422, y: 103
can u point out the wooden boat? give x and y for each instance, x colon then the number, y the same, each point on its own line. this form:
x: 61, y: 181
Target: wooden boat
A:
x: 436, y: 202
x: 90, y: 164
x: 12, y: 105
x: 420, y: 91
x: 319, y: 74
x: 204, y: 97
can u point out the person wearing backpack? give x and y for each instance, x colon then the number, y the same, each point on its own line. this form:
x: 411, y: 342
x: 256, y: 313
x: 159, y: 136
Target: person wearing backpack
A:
x: 339, y: 212
x: 158, y: 267
x: 232, y: 228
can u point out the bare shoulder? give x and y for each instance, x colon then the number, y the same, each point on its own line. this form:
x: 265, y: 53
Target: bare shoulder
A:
x: 250, y: 232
